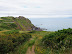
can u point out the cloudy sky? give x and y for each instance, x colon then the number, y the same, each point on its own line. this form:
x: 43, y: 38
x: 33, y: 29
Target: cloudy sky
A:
x: 36, y: 8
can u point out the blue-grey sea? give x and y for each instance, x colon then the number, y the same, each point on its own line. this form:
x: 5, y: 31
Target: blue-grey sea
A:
x: 52, y: 24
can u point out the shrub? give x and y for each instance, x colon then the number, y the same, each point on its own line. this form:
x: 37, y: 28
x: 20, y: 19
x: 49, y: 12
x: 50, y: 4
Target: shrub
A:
x: 10, y: 41
x: 61, y: 39
x: 12, y: 32
x: 33, y: 31
x: 1, y: 29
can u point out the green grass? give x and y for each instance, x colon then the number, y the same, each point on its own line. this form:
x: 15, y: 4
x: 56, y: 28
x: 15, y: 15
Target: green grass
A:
x: 18, y: 23
x: 6, y: 25
x: 59, y: 42
x: 24, y: 31
x: 36, y: 41
x: 24, y: 24
x: 21, y: 49
x: 38, y: 48
x: 11, y: 40
x: 1, y: 19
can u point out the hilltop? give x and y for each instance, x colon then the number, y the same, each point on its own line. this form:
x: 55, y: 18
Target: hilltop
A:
x: 20, y: 23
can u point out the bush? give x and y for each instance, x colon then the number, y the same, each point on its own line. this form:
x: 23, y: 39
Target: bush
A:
x: 12, y: 32
x: 8, y: 26
x: 1, y: 29
x: 59, y: 40
x: 10, y: 41
x: 33, y: 31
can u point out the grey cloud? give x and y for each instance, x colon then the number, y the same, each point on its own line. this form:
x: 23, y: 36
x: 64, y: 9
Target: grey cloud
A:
x: 36, y: 7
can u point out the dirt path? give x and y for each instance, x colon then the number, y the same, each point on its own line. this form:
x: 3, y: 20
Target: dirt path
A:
x: 30, y: 50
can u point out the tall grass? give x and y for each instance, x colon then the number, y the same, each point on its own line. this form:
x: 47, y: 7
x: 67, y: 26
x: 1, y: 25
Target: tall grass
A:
x: 9, y: 41
x: 59, y: 41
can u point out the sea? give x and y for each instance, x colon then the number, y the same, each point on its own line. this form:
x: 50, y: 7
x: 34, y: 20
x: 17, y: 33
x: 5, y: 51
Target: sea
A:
x: 52, y: 24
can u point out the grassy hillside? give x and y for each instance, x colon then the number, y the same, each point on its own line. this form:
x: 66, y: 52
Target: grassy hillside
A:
x: 7, y: 23
x: 14, y: 32
x: 23, y: 23
x: 13, y: 23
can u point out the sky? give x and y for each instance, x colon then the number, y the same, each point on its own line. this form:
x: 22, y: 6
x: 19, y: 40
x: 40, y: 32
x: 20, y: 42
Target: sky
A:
x: 36, y: 8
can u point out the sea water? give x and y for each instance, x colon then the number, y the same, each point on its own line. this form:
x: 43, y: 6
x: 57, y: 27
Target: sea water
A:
x: 52, y: 24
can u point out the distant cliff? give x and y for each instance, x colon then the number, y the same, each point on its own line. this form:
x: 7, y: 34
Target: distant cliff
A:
x: 21, y: 23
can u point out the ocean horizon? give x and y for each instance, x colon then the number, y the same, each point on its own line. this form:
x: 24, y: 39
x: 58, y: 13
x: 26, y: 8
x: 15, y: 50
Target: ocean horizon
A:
x: 52, y: 24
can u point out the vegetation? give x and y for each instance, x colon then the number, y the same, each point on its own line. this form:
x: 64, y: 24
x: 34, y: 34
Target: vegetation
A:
x: 18, y: 34
x: 9, y: 41
x: 13, y: 33
x: 23, y: 23
x: 13, y: 23
x: 56, y: 42
x: 22, y: 49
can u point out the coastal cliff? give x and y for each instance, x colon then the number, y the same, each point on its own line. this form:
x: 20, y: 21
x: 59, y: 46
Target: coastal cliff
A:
x: 21, y: 23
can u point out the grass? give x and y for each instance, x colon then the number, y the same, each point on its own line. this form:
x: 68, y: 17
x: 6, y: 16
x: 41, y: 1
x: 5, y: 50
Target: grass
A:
x: 37, y: 36
x: 21, y: 49
x: 23, y: 31
x: 38, y: 48
x: 36, y: 41
x: 45, y: 49
x: 1, y: 32
x: 24, y: 24
x: 1, y: 19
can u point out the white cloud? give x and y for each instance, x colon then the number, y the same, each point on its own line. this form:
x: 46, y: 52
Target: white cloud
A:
x: 26, y: 7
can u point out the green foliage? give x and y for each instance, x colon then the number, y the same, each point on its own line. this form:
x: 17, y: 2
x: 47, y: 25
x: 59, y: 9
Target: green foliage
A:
x: 1, y: 21
x: 10, y: 41
x: 59, y: 40
x: 8, y: 25
x: 24, y: 23
x: 1, y: 29
x: 13, y: 25
x: 33, y: 31
x: 7, y: 19
x: 12, y: 32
